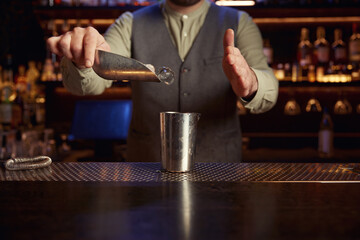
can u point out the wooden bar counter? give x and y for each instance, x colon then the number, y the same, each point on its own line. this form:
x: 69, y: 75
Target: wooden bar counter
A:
x: 214, y: 201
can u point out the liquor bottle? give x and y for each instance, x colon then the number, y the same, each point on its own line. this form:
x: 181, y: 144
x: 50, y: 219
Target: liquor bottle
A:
x: 52, y: 3
x: 65, y: 27
x: 354, y: 53
x: 268, y: 52
x: 8, y: 71
x: 311, y: 74
x: 7, y: 95
x: 20, y: 89
x: 48, y: 73
x: 40, y: 109
x: 29, y: 112
x: 288, y: 72
x: 47, y: 68
x: 295, y: 72
x: 17, y: 110
x: 21, y: 79
x: 57, y: 71
x: 326, y: 136
x: 279, y: 72
x: 339, y: 49
x: 1, y: 75
x: 321, y: 52
x: 305, y: 54
x: 32, y: 73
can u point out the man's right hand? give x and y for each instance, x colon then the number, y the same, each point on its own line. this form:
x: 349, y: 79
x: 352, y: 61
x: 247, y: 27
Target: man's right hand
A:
x: 78, y: 45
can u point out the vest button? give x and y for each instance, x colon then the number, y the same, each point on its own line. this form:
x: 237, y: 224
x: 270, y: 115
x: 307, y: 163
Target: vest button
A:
x: 185, y: 94
x: 185, y: 70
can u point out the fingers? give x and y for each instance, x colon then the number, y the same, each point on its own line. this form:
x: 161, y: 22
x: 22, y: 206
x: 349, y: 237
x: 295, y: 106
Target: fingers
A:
x: 91, y: 40
x: 64, y: 45
x: 78, y: 45
x: 52, y: 44
x: 60, y: 45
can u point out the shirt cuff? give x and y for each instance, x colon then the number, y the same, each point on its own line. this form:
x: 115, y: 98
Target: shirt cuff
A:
x: 256, y: 101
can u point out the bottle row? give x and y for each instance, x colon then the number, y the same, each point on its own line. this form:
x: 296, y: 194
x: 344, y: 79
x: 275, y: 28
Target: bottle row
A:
x: 321, y: 60
x: 293, y: 108
x: 22, y: 98
x: 341, y: 107
x: 27, y: 143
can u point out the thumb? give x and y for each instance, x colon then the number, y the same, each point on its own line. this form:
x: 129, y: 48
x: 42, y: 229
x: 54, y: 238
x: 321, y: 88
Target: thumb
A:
x: 228, y: 38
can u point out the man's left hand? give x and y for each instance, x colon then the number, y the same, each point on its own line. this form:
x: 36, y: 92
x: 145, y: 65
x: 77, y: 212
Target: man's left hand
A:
x: 242, y: 78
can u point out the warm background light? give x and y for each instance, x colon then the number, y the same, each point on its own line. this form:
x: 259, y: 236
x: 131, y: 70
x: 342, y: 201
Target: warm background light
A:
x: 235, y: 3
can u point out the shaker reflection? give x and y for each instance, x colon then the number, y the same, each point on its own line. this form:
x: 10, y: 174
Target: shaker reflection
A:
x: 183, y: 220
x: 186, y: 205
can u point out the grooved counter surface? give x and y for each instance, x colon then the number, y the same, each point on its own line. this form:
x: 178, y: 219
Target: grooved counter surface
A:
x: 202, y: 172
x: 215, y: 201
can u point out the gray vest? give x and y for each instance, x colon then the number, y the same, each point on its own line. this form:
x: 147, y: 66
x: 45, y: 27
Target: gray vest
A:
x: 200, y: 86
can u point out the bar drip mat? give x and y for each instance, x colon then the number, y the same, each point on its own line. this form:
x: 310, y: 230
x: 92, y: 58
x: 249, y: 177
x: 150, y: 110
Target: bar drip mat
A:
x: 203, y: 172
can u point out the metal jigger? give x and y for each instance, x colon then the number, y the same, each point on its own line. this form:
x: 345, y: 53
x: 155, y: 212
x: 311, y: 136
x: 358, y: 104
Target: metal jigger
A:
x: 112, y: 66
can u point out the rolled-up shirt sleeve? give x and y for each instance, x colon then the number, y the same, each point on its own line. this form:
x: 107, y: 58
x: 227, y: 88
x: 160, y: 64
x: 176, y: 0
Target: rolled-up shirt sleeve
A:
x: 249, y: 41
x: 86, y: 81
x: 82, y: 81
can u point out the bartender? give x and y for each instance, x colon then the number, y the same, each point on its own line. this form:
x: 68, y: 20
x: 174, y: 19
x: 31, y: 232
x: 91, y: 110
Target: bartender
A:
x: 216, y: 54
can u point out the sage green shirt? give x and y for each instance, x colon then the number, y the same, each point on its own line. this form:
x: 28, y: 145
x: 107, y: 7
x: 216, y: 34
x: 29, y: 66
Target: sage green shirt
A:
x: 183, y: 30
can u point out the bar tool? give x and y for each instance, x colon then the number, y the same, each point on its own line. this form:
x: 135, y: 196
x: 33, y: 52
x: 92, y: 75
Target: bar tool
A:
x: 27, y: 163
x: 113, y: 66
